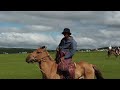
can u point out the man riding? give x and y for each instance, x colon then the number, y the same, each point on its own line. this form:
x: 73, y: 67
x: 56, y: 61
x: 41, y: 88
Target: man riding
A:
x: 117, y: 50
x: 65, y: 51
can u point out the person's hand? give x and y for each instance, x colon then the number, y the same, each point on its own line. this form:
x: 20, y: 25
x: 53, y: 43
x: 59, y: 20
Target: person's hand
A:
x: 63, y: 54
x: 62, y: 58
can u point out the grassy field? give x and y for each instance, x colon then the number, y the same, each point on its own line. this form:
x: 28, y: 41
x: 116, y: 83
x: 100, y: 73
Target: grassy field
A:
x: 13, y: 66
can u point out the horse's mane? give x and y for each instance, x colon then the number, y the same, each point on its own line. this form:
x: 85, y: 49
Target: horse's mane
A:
x: 51, y: 58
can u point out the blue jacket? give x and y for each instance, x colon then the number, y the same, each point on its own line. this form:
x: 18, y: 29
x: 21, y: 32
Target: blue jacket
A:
x: 69, y: 46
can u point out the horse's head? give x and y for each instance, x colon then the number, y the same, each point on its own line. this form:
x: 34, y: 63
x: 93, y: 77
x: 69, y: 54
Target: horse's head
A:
x: 37, y: 55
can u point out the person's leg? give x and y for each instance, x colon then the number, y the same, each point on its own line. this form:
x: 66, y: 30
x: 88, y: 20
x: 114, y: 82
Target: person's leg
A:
x: 71, y: 68
x: 72, y: 71
x: 57, y: 58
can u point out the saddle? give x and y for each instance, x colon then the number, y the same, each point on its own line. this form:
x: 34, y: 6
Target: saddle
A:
x: 66, y: 68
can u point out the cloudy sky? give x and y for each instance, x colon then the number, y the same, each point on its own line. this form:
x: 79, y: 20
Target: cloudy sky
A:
x: 31, y: 29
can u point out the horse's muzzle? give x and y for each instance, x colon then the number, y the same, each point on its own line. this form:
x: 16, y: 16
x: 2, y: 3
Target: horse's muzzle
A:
x: 31, y: 60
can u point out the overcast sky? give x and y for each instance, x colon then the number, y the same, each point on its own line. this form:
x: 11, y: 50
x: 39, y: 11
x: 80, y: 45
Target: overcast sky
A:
x: 31, y: 29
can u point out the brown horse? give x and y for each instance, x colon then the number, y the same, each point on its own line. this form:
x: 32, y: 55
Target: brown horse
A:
x: 113, y: 52
x: 48, y: 66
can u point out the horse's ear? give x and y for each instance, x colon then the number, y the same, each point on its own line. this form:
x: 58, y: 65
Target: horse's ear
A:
x: 43, y: 47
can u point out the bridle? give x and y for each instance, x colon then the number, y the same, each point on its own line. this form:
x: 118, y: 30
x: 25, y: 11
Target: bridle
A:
x: 43, y: 58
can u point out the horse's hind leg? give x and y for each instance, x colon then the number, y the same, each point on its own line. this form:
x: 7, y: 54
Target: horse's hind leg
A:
x: 89, y: 73
x: 89, y: 76
x: 109, y: 54
x: 116, y: 55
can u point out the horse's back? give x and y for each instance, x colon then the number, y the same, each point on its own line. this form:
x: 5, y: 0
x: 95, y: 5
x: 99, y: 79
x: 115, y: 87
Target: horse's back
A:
x: 84, y: 64
x: 84, y: 69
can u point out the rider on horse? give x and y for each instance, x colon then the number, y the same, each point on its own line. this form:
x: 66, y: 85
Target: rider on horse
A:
x: 117, y: 50
x: 65, y: 51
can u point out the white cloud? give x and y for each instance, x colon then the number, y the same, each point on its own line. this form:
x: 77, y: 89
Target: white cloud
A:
x: 110, y: 34
x: 35, y: 28
x: 112, y: 18
x: 90, y: 29
x: 28, y: 40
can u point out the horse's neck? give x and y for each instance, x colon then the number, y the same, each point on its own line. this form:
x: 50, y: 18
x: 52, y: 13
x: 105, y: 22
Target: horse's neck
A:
x: 47, y: 65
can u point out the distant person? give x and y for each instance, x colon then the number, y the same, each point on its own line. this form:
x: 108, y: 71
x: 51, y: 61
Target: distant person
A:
x: 117, y: 50
x: 110, y: 48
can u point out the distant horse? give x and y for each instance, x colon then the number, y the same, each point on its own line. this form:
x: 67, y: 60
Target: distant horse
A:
x: 48, y: 66
x: 113, y: 52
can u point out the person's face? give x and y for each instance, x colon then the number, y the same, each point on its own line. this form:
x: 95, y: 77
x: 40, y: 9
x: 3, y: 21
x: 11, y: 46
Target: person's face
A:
x: 66, y: 35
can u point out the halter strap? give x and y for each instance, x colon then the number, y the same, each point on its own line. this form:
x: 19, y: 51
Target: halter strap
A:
x: 42, y: 59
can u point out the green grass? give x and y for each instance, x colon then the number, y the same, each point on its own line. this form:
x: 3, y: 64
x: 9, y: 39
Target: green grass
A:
x: 13, y: 66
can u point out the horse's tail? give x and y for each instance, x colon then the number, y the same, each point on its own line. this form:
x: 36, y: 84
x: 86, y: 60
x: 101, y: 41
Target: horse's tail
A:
x: 98, y: 73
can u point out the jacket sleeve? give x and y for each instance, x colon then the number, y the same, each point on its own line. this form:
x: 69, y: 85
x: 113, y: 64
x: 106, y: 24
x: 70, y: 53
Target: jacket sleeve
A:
x: 72, y: 50
x: 60, y: 46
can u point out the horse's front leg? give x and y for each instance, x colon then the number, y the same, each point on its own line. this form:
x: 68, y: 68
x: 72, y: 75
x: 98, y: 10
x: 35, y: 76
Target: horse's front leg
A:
x: 43, y: 76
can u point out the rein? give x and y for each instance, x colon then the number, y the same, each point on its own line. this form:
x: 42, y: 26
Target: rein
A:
x: 39, y: 68
x: 43, y: 59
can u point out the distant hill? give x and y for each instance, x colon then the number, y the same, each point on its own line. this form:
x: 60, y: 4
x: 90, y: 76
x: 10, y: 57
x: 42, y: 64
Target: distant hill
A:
x: 103, y: 48
x: 15, y: 50
x: 25, y: 50
x: 107, y: 47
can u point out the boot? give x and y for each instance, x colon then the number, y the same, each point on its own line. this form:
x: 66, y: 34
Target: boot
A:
x: 72, y: 71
